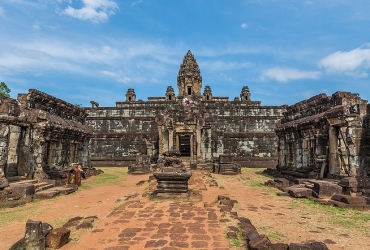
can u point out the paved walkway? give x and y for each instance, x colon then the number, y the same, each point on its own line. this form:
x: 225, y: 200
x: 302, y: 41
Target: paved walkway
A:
x: 182, y: 223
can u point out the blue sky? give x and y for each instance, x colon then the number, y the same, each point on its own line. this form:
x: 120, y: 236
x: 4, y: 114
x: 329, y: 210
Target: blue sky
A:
x: 284, y: 50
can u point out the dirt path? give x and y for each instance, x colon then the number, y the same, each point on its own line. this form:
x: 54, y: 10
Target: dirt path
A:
x: 143, y: 223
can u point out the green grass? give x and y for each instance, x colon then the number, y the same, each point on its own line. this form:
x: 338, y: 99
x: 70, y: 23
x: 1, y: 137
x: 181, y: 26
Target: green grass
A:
x: 111, y: 176
x: 347, y: 218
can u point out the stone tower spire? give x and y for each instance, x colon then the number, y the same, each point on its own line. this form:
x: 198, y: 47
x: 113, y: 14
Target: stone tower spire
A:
x: 189, y: 80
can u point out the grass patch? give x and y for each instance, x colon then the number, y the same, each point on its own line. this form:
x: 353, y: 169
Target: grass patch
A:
x: 111, y: 176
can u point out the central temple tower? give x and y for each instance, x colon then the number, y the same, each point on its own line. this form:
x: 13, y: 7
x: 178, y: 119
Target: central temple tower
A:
x: 189, y: 80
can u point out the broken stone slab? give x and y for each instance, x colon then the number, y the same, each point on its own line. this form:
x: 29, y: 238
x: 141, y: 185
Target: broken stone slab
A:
x: 23, y: 189
x: 63, y: 190
x: 299, y: 192
x: 279, y: 246
x: 308, y: 246
x: 347, y: 199
x: 44, y: 187
x: 58, y: 237
x: 260, y: 242
x: 225, y: 158
x: 355, y: 182
x: 46, y: 194
x: 325, y: 189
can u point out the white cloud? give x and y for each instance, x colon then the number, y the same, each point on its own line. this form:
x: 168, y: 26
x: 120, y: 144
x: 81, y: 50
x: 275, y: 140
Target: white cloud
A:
x: 155, y: 80
x: 354, y: 62
x: 244, y: 26
x: 2, y: 14
x: 94, y: 10
x: 116, y: 75
x: 137, y: 2
x: 288, y: 74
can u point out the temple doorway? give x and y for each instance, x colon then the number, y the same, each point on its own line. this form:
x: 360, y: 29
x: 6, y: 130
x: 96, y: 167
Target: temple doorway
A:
x: 184, y: 146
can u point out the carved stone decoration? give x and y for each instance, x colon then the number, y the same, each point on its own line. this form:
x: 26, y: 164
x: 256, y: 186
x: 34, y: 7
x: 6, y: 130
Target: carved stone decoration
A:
x: 245, y: 95
x: 172, y: 176
x: 207, y: 94
x: 130, y: 95
x: 170, y: 94
x: 189, y: 80
x: 94, y: 104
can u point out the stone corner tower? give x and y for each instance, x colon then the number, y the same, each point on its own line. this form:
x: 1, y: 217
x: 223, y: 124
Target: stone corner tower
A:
x: 189, y: 80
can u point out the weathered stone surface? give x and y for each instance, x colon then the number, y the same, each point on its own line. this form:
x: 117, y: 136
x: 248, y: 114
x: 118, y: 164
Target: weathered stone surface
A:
x: 58, y: 237
x: 34, y: 236
x: 299, y: 192
x: 347, y: 199
x: 23, y: 189
x: 200, y: 126
x: 261, y: 242
x: 46, y: 194
x: 355, y: 182
x: 326, y: 189
x: 308, y: 246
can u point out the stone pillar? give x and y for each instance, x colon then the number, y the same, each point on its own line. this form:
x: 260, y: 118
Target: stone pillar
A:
x: 170, y: 139
x: 198, y: 144
x: 4, y: 130
x: 334, y: 167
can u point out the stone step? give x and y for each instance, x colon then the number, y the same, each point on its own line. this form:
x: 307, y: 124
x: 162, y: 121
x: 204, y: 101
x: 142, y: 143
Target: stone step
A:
x: 25, y: 182
x: 46, y: 194
x: 63, y: 190
x: 16, y: 178
x: 44, y: 187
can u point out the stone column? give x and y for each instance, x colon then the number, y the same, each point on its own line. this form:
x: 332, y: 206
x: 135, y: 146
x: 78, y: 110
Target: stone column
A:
x: 198, y: 144
x: 170, y: 139
x: 4, y: 130
x: 334, y: 167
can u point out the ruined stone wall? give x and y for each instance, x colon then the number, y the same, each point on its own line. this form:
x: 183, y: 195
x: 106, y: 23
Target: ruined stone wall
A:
x: 327, y: 136
x: 235, y: 128
x: 123, y: 131
x: 37, y: 131
x: 245, y: 131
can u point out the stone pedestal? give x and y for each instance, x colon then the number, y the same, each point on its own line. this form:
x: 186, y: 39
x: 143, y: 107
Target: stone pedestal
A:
x: 172, y: 183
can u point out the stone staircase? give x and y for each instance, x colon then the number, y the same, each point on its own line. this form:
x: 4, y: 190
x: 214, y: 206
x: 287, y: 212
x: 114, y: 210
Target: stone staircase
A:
x: 40, y: 190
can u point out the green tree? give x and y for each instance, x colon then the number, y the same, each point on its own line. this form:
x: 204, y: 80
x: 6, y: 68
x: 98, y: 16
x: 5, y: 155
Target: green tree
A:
x: 4, y: 90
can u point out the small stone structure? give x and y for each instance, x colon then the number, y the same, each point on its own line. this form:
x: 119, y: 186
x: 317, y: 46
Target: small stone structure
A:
x: 39, y: 131
x: 171, y: 175
x: 142, y: 165
x: 226, y: 166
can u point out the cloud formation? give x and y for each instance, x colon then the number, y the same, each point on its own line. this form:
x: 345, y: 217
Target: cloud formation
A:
x: 244, y: 25
x: 288, y: 74
x: 94, y: 10
x: 353, y: 62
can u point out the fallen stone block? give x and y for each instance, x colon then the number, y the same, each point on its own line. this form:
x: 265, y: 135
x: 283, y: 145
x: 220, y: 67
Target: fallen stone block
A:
x: 46, y: 194
x: 58, y: 237
x: 353, y: 200
x: 300, y: 192
x: 308, y: 246
x: 260, y: 243
x: 355, y: 182
x: 326, y: 189
x: 23, y: 189
x: 279, y: 246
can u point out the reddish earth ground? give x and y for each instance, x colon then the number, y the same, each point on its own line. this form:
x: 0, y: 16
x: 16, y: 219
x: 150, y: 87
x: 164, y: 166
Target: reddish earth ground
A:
x: 146, y: 223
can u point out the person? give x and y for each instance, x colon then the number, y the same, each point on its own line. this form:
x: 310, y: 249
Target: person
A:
x: 83, y: 174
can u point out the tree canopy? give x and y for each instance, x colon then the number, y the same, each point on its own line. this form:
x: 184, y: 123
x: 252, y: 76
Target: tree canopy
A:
x: 4, y: 90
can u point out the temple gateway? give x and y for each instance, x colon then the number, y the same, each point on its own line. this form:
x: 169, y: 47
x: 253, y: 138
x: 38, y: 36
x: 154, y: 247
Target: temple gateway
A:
x: 201, y: 126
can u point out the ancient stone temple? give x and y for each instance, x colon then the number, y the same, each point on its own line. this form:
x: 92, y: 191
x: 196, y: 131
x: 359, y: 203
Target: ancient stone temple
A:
x: 326, y: 137
x: 201, y: 126
x: 39, y: 131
